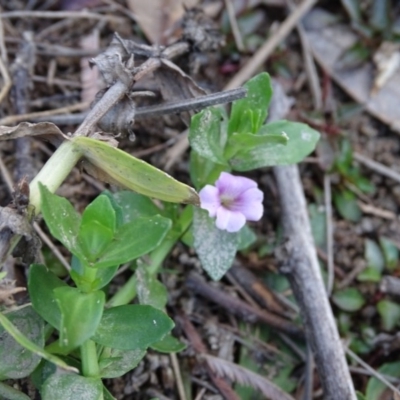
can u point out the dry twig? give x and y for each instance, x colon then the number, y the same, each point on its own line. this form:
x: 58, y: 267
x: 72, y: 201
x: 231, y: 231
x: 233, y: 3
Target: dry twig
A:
x: 300, y: 264
x: 250, y: 68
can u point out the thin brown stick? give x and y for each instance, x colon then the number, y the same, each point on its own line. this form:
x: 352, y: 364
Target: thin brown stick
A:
x: 300, y: 264
x: 234, y: 25
x: 7, y: 81
x: 309, y: 65
x: 377, y: 167
x: 51, y: 246
x: 329, y: 233
x: 12, y: 119
x: 178, y: 376
x: 240, y: 308
x: 374, y: 373
x: 378, y: 212
x: 200, y: 348
x: 256, y: 289
x: 250, y: 68
x: 61, y: 15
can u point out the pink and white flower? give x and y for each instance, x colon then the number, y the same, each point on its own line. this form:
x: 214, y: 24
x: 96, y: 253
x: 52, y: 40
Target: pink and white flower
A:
x: 233, y: 200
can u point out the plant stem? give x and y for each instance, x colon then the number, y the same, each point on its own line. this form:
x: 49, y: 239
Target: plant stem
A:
x: 90, y: 365
x: 54, y: 171
x: 128, y: 292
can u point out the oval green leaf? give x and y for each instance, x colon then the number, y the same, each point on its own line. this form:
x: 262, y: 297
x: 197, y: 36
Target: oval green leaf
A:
x: 68, y: 386
x: 80, y: 315
x: 301, y: 141
x: 349, y: 299
x: 134, y: 239
x: 135, y: 174
x: 216, y: 248
x: 16, y: 362
x: 132, y: 327
x: 41, y: 285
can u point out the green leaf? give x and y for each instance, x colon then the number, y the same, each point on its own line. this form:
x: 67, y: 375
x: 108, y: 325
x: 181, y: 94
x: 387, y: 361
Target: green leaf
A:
x: 369, y: 275
x: 134, y: 239
x: 16, y: 362
x: 349, y: 299
x: 360, y: 396
x: 124, y: 170
x: 344, y: 159
x: 373, y: 255
x: 216, y: 248
x: 42, y: 372
x: 301, y: 142
x: 61, y: 218
x: 169, y: 344
x: 107, y: 395
x: 354, y: 57
x: 149, y: 289
x: 246, y: 237
x: 9, y: 393
x: 375, y: 263
x: 249, y: 114
x: 97, y: 227
x: 375, y: 387
x: 207, y: 134
x: 26, y: 343
x: 245, y: 142
x: 318, y: 224
x: 132, y: 327
x: 68, y: 386
x: 390, y: 314
x: 93, y: 238
x: 41, y: 285
x: 390, y: 253
x: 102, y: 211
x: 119, y: 362
x: 346, y: 204
x: 353, y: 9
x: 135, y: 205
x: 380, y: 15
x: 80, y: 315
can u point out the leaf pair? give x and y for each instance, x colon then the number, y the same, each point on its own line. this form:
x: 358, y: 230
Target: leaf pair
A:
x: 99, y: 239
x: 243, y: 143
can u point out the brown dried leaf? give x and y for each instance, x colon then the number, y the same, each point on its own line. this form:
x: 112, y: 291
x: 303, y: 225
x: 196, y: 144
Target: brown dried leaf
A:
x: 157, y: 17
x: 89, y: 76
x: 13, y: 223
x: 236, y: 373
x: 387, y: 62
x: 46, y: 130
x: 329, y: 40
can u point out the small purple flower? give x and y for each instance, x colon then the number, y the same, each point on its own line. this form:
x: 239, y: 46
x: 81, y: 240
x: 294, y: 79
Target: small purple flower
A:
x: 233, y: 200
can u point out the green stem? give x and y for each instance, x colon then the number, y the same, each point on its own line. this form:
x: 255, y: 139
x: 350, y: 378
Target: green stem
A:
x: 90, y: 365
x: 125, y: 294
x: 54, y: 171
x: 87, y: 279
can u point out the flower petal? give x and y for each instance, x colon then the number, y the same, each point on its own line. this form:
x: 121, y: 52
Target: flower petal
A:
x: 209, y: 199
x: 232, y: 186
x: 249, y: 204
x: 231, y: 221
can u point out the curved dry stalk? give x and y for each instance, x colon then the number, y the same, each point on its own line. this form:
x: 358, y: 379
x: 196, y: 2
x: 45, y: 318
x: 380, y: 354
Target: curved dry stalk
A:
x: 236, y: 373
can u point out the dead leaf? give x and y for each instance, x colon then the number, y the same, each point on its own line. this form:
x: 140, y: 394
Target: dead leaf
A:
x: 89, y: 75
x: 13, y: 223
x: 387, y: 62
x: 46, y: 130
x: 329, y: 40
x: 157, y: 17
